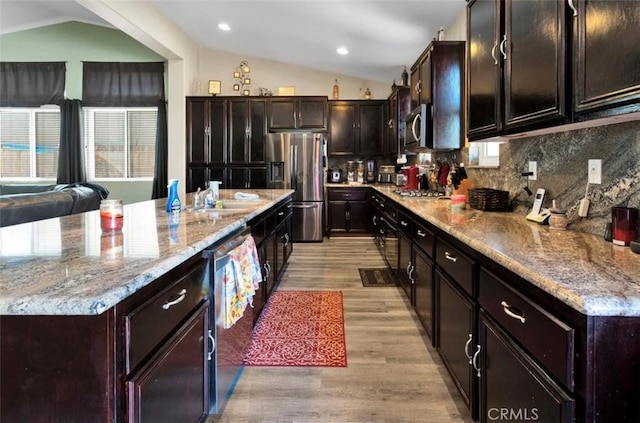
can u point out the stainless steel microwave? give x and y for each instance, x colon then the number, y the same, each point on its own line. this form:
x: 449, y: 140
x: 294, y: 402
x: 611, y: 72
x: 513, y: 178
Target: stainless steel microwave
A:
x: 418, y: 128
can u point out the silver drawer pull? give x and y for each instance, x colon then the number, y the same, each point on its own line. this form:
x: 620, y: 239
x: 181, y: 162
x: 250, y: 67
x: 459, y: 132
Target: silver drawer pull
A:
x: 281, y: 213
x: 403, y: 223
x: 181, y: 296
x: 213, y: 346
x: 450, y: 256
x: 506, y: 307
x: 422, y: 234
x: 466, y: 348
x: 475, y: 362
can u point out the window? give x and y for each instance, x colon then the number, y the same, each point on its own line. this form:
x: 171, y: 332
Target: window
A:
x: 29, y: 143
x: 121, y: 142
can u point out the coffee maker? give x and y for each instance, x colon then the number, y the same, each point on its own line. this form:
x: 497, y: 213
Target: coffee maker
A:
x: 371, y: 171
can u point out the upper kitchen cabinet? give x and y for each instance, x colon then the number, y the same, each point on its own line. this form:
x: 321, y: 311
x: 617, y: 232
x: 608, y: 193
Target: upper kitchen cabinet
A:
x: 357, y: 127
x: 247, y: 131
x: 287, y: 113
x: 517, y: 66
x: 606, y: 57
x: 437, y: 80
x: 206, y: 141
x: 399, y: 108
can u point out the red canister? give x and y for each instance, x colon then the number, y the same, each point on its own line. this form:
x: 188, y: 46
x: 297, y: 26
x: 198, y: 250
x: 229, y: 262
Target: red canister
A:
x: 624, y: 225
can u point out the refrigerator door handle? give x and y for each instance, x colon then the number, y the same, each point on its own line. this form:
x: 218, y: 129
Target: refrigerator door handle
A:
x: 294, y: 167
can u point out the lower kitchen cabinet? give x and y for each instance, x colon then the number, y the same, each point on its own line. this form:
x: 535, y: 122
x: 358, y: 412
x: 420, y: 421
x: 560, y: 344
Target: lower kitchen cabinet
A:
x: 246, y: 177
x: 171, y: 387
x: 512, y: 386
x: 347, y: 211
x: 423, y: 289
x: 455, y: 313
x: 405, y: 266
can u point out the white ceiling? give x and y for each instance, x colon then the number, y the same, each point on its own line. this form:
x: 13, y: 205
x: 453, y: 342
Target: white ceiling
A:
x: 381, y: 35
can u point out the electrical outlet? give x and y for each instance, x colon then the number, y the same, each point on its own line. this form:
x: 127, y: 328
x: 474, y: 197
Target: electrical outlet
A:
x: 595, y: 171
x: 533, y: 168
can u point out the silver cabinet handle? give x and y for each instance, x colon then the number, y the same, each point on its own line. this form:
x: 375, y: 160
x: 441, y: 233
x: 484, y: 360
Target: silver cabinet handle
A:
x: 475, y: 362
x: 493, y: 53
x: 403, y: 223
x: 422, y: 234
x: 507, y: 310
x: 411, y: 274
x: 181, y: 296
x: 466, y: 348
x: 450, y: 256
x: 571, y: 5
x: 407, y: 269
x: 213, y: 346
x: 504, y: 40
x: 268, y: 267
x: 281, y: 214
x: 390, y: 124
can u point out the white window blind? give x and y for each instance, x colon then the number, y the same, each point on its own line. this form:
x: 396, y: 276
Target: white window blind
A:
x: 121, y: 142
x: 29, y: 142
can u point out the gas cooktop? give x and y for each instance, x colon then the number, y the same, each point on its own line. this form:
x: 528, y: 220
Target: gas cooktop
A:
x: 420, y: 194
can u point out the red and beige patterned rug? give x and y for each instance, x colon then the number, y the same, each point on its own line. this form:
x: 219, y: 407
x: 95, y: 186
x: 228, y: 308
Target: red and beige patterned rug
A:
x: 300, y: 328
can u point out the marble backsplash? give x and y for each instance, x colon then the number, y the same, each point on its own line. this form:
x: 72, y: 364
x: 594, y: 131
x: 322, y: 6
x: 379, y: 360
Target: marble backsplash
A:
x: 562, y: 171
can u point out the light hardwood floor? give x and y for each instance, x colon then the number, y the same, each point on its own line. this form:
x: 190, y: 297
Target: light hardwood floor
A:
x: 393, y: 373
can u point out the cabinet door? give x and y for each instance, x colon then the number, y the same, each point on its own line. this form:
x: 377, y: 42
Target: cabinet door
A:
x: 217, y: 153
x: 405, y: 268
x: 372, y: 119
x: 337, y: 216
x: 484, y: 70
x: 257, y: 178
x: 312, y: 113
x: 415, y: 86
x: 259, y: 299
x: 392, y: 124
x: 257, y: 131
x: 272, y: 265
x: 342, y: 128
x: 238, y: 130
x: 172, y: 387
x: 606, y: 55
x: 357, y: 216
x: 197, y: 132
x: 282, y: 113
x: 535, y: 57
x: 425, y: 77
x: 199, y: 177
x: 423, y: 276
x: 512, y: 384
x: 454, y: 332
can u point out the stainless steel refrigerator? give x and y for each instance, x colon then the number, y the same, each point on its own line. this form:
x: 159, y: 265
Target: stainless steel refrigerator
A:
x: 295, y: 161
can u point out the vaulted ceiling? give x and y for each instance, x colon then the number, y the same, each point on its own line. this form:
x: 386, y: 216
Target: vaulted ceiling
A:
x: 381, y: 35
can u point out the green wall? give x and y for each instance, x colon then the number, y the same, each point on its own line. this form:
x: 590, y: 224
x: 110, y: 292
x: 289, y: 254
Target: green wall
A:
x: 73, y: 42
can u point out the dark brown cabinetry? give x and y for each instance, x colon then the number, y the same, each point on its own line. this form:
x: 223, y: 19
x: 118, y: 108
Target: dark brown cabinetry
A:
x: 399, y: 108
x: 406, y: 267
x: 422, y: 256
x: 606, y: 57
x: 347, y: 210
x: 225, y: 142
x: 357, y: 127
x: 437, y: 79
x: 298, y: 113
x: 517, y: 67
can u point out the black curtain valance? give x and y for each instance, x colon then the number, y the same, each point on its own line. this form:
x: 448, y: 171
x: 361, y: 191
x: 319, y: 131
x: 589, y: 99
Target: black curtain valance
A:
x: 122, y: 84
x: 31, y: 84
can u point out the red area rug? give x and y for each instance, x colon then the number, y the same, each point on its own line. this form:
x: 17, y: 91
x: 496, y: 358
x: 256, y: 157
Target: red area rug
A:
x: 300, y: 328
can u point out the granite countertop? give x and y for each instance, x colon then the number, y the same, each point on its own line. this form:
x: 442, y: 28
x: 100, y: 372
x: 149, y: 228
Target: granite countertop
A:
x: 584, y: 271
x: 67, y: 266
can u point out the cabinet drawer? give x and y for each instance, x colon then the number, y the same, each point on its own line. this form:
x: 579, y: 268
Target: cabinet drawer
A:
x: 456, y: 264
x: 155, y: 319
x: 405, y: 223
x: 547, y: 339
x: 283, y: 212
x: 424, y: 238
x: 347, y: 194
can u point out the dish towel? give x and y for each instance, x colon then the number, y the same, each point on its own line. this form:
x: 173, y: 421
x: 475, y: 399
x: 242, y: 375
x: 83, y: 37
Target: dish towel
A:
x: 240, y: 280
x: 246, y: 196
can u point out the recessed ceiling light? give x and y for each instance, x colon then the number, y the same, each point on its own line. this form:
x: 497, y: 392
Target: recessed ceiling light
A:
x: 224, y: 26
x: 342, y: 50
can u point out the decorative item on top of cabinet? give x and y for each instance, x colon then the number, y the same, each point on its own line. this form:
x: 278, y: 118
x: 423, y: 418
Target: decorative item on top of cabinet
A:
x: 357, y: 127
x: 299, y: 112
x: 606, y: 43
x: 517, y: 79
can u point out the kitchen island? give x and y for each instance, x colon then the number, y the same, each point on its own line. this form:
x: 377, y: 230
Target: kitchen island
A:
x: 79, y: 324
